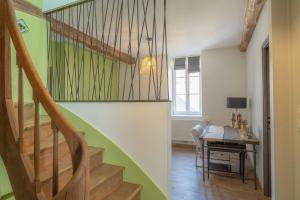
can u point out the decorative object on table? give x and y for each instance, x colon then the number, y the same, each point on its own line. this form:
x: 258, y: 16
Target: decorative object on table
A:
x: 244, y: 125
x: 238, y: 121
x: 233, y: 120
x: 23, y: 26
x: 236, y: 103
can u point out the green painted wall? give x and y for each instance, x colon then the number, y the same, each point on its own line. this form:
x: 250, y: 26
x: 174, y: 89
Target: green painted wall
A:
x: 5, y: 187
x: 36, y: 42
x: 114, y: 155
x: 67, y: 71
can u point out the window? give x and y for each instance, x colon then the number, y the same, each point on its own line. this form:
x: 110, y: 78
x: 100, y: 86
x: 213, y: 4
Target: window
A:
x: 187, y: 86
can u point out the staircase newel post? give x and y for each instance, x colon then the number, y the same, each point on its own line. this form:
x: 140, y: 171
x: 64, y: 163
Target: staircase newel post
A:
x: 2, y: 83
x: 5, y: 73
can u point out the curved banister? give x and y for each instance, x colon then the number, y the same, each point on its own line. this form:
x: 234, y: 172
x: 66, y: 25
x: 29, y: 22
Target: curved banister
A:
x: 77, y: 145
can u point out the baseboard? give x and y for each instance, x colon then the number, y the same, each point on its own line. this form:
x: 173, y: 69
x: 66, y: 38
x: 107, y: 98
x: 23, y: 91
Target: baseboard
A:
x: 183, y: 144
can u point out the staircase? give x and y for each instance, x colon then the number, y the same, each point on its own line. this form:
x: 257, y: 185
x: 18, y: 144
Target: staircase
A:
x: 47, y: 157
x: 106, y: 181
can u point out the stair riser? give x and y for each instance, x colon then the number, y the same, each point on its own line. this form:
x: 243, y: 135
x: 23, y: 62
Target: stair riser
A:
x: 104, y: 189
x: 45, y: 132
x: 28, y: 111
x: 96, y: 160
x: 137, y: 196
x: 64, y: 157
x: 46, y: 158
x: 64, y: 161
x: 64, y: 178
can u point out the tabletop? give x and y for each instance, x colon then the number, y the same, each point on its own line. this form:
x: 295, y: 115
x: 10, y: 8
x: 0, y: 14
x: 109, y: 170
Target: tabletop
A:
x: 227, y: 134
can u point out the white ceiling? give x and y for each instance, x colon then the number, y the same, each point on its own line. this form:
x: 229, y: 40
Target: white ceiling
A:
x: 192, y: 25
x: 196, y: 25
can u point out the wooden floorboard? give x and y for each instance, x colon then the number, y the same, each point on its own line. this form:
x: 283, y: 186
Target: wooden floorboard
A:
x: 187, y: 182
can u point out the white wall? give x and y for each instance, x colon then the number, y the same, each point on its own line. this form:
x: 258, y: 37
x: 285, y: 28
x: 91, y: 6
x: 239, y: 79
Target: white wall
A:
x: 182, y: 126
x: 223, y: 75
x: 254, y: 79
x: 142, y: 130
x: 52, y: 4
x: 295, y: 26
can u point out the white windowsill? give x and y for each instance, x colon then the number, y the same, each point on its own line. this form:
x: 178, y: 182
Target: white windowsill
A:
x: 189, y: 117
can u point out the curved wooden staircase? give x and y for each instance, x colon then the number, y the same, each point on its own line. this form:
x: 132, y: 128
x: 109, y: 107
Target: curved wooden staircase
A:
x: 46, y: 157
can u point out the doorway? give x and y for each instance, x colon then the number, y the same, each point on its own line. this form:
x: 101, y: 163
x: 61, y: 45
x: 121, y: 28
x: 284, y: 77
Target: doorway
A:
x: 266, y: 119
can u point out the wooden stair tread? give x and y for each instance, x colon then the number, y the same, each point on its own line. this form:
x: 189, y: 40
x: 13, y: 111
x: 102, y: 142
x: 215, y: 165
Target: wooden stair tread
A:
x: 94, y: 150
x: 46, y: 174
x: 106, y: 180
x: 45, y: 144
x: 16, y: 104
x: 100, y: 174
x: 29, y: 124
x: 126, y: 191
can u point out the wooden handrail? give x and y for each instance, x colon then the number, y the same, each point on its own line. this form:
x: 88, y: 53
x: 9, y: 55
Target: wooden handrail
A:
x: 90, y: 41
x: 78, y: 185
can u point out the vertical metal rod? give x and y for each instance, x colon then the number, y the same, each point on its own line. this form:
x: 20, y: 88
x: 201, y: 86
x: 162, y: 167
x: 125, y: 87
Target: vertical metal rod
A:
x: 155, y: 50
x: 98, y: 58
x: 117, y: 24
x: 56, y: 62
x: 103, y: 75
x: 60, y: 67
x: 101, y: 80
x: 144, y: 24
x: 69, y: 87
x: 138, y: 56
x: 139, y: 47
x: 92, y: 67
x: 166, y: 44
x: 130, y: 27
x: 50, y: 56
x: 63, y: 68
x: 120, y: 48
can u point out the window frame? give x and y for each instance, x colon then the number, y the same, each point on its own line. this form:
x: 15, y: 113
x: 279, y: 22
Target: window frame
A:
x: 187, y: 87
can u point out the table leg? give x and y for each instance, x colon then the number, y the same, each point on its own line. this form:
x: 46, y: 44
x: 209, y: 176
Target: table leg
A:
x: 208, y: 159
x: 240, y: 164
x: 254, y: 160
x: 203, y: 161
x: 243, y: 166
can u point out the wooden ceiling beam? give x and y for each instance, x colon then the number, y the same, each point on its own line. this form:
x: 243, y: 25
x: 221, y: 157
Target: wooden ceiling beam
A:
x: 29, y: 8
x: 253, y: 10
x: 91, y: 42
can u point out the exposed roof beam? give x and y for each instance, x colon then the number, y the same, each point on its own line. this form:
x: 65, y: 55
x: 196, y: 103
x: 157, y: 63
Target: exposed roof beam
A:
x: 91, y: 42
x: 28, y: 8
x: 253, y: 10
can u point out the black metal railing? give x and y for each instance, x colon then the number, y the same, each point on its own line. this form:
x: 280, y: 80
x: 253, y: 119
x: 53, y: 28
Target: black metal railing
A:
x: 101, y: 50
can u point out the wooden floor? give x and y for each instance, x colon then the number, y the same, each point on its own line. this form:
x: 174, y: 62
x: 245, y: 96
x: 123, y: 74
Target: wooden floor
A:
x: 187, y: 182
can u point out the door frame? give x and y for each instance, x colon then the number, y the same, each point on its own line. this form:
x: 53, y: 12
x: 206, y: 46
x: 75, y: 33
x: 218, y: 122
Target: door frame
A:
x: 267, y: 186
